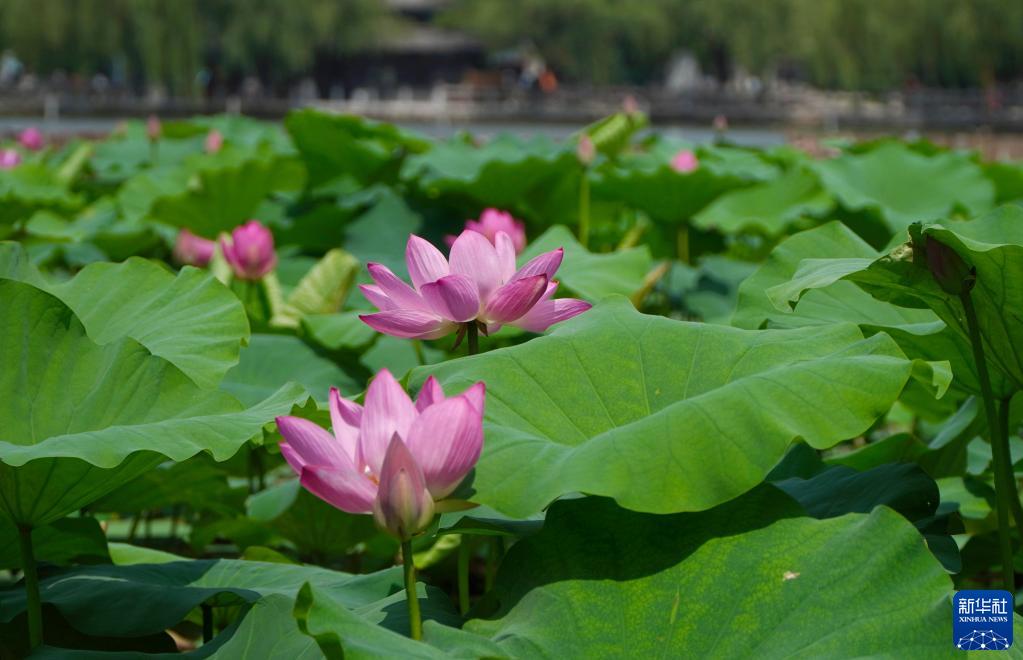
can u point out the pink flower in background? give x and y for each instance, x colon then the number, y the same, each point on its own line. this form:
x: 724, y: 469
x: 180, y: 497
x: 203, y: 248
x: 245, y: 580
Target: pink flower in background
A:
x: 31, y: 138
x: 586, y: 151
x: 392, y: 457
x: 9, y: 159
x: 685, y: 161
x: 479, y: 283
x: 193, y: 250
x: 250, y: 251
x: 214, y: 141
x: 492, y: 221
x: 153, y: 128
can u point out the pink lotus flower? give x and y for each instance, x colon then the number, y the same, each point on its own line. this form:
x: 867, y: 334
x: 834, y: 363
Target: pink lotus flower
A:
x: 250, y: 252
x: 9, y: 159
x: 214, y: 141
x: 31, y: 138
x: 684, y: 161
x: 586, y: 151
x: 392, y: 458
x: 193, y: 250
x: 492, y: 221
x: 478, y: 284
x: 153, y: 128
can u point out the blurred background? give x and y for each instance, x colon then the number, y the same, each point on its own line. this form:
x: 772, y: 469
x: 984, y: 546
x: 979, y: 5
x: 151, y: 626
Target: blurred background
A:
x: 774, y: 69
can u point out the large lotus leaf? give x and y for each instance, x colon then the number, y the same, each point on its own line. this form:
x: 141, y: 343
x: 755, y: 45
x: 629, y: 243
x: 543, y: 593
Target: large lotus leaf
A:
x: 80, y: 418
x: 161, y: 595
x: 993, y: 245
x: 189, y: 319
x: 380, y: 233
x: 903, y: 186
x: 683, y: 585
x: 593, y: 275
x: 498, y: 173
x: 65, y: 541
x: 32, y: 187
x: 335, y: 145
x: 839, y: 302
x: 271, y: 361
x: 599, y: 579
x: 218, y: 200
x: 662, y: 415
x: 322, y: 290
x: 661, y: 192
x: 767, y: 208
x: 197, y: 482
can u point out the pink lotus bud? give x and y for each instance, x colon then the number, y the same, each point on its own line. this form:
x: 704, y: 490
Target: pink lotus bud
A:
x: 586, y: 151
x: 492, y: 221
x: 9, y: 159
x: 214, y: 141
x: 684, y: 162
x: 153, y: 128
x: 250, y: 252
x: 478, y: 283
x: 948, y: 269
x: 31, y: 138
x: 720, y: 123
x: 392, y: 458
x: 403, y: 506
x: 193, y: 250
x: 629, y: 105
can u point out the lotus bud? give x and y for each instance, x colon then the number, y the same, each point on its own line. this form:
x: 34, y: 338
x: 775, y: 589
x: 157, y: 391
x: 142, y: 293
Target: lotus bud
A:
x: 193, y: 250
x: 31, y: 138
x: 214, y: 141
x: 684, y: 162
x: 404, y: 506
x: 630, y: 105
x: 586, y: 151
x: 952, y: 274
x: 250, y: 252
x: 153, y: 128
x: 720, y: 123
x: 9, y: 159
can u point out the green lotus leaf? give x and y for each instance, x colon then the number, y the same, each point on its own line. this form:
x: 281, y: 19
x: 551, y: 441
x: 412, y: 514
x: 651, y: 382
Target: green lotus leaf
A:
x: 190, y: 319
x: 498, y: 173
x: 81, y: 418
x: 662, y: 415
x: 768, y: 208
x: 992, y: 245
x: 903, y: 186
x: 665, y: 583
x: 335, y: 145
x: 592, y: 275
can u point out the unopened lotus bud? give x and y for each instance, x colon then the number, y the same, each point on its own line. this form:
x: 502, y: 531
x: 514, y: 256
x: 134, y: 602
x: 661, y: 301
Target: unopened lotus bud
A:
x: 949, y: 270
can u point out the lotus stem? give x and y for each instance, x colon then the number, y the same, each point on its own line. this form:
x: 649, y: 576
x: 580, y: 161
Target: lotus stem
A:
x: 414, y: 618
x: 1003, y: 439
x: 682, y: 243
x: 474, y: 337
x: 34, y: 603
x: 207, y: 623
x: 1004, y: 490
x: 494, y: 551
x: 584, y: 210
x: 417, y: 346
x: 464, y: 555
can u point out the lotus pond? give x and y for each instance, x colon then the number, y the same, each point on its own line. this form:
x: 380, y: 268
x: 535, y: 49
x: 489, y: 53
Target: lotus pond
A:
x: 333, y: 389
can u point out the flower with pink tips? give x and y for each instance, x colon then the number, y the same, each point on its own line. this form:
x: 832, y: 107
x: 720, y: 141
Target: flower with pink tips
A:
x: 477, y: 284
x: 31, y: 138
x: 192, y: 250
x: 250, y: 251
x: 492, y: 221
x: 214, y: 141
x: 9, y: 159
x: 684, y: 161
x: 391, y: 457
